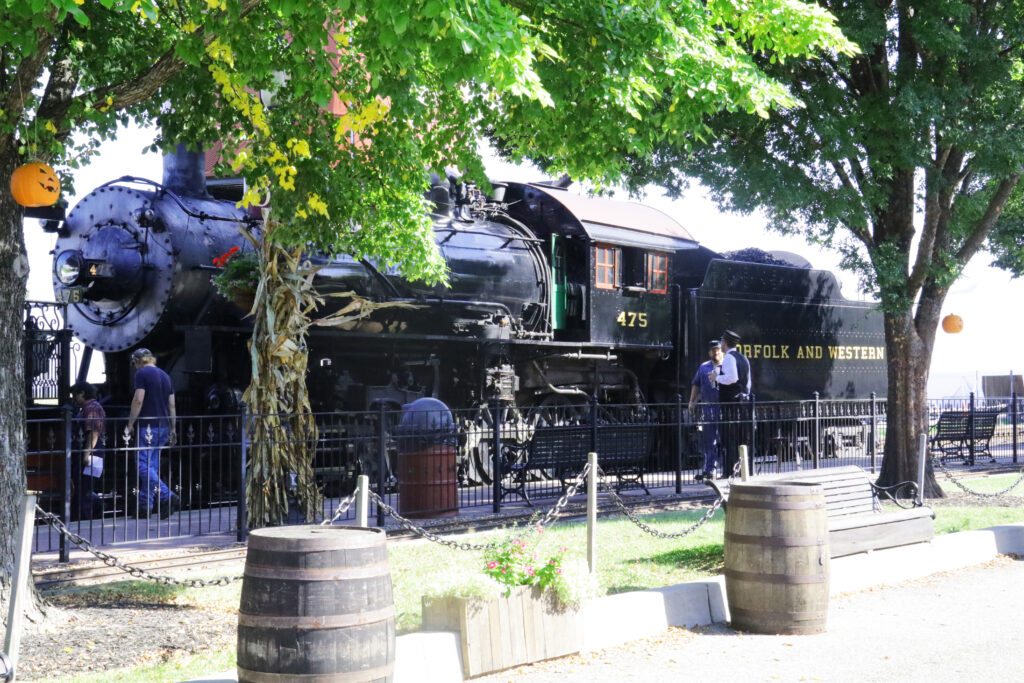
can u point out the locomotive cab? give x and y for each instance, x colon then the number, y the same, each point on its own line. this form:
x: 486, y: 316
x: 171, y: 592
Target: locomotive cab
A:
x: 611, y: 263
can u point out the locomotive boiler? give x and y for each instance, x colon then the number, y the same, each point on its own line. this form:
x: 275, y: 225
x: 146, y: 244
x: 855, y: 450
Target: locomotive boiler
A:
x: 553, y: 298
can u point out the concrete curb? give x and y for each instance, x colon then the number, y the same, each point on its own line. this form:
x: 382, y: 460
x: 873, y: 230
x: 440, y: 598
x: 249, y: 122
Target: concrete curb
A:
x: 433, y: 657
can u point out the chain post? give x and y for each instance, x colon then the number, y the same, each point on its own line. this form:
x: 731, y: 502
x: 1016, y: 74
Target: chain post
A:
x: 243, y: 513
x: 816, y: 454
x: 362, y: 500
x: 679, y: 443
x: 497, y: 416
x: 65, y: 551
x: 874, y: 427
x: 382, y: 446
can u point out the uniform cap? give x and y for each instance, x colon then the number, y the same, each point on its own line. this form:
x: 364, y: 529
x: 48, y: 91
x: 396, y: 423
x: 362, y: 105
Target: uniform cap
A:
x: 714, y: 344
x: 141, y: 353
x: 731, y: 338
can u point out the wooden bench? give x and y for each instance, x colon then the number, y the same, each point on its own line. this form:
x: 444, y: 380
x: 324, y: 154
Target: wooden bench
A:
x: 952, y: 437
x: 623, y: 450
x: 856, y: 520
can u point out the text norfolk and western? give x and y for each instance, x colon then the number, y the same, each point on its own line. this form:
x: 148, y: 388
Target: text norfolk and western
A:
x: 812, y: 352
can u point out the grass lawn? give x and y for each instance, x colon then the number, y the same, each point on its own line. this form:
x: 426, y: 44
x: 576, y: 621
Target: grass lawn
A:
x: 628, y: 559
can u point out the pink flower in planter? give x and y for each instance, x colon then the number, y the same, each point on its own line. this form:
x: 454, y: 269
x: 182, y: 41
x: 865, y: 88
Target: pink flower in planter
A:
x: 492, y: 565
x: 559, y: 570
x: 529, y: 570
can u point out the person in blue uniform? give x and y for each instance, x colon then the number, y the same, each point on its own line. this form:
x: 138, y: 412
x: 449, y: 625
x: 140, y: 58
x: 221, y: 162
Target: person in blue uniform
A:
x: 705, y: 389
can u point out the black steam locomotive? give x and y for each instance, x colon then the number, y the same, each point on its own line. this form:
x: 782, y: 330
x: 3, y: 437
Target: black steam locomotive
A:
x: 553, y: 298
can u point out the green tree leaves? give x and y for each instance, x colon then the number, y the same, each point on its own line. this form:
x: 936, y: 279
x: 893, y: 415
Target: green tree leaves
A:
x: 582, y: 87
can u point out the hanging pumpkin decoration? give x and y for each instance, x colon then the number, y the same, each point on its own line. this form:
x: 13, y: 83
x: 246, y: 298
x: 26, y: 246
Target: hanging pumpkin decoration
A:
x: 35, y: 184
x: 952, y: 324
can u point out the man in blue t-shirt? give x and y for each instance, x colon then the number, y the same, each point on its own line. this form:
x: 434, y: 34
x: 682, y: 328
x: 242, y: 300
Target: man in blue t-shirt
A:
x: 705, y: 388
x: 153, y: 409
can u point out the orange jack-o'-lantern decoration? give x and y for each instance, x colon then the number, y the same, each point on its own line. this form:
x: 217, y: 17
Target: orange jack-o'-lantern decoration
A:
x: 952, y: 324
x: 35, y: 184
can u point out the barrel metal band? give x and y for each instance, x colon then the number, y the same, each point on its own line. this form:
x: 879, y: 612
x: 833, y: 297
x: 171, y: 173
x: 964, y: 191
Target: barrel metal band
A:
x: 757, y: 504
x: 317, y: 622
x: 775, y: 541
x: 316, y: 540
x: 369, y: 571
x: 350, y: 677
x: 758, y: 577
x: 790, y: 616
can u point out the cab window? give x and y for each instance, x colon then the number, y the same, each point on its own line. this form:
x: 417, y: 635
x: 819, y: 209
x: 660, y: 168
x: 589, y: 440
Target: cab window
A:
x: 607, y: 260
x: 657, y: 272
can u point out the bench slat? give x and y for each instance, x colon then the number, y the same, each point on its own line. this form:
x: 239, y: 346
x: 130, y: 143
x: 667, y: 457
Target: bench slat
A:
x: 855, y: 523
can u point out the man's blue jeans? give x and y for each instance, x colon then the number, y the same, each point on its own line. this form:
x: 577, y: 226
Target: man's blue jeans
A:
x: 151, y: 440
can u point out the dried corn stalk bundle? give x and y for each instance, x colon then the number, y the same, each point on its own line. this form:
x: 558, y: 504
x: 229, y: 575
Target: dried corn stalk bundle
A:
x: 283, y: 433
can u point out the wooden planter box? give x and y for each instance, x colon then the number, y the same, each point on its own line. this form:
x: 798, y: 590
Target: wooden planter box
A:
x: 496, y: 634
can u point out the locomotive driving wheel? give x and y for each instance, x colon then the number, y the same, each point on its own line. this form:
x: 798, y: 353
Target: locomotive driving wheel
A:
x: 477, y: 433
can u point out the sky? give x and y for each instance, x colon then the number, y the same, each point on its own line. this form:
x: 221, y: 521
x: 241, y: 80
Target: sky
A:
x: 985, y: 297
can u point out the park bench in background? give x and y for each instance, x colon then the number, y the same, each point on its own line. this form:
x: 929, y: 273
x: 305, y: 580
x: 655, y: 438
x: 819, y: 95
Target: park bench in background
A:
x: 856, y: 520
x: 623, y: 450
x: 952, y: 437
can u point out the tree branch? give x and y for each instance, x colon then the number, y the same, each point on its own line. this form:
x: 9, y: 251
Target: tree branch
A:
x: 62, y: 83
x: 28, y: 72
x: 145, y: 84
x: 940, y: 188
x: 984, y: 226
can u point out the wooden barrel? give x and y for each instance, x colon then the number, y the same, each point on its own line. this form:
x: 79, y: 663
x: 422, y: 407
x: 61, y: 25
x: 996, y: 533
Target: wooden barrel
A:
x: 428, y: 483
x: 316, y: 606
x: 777, y: 557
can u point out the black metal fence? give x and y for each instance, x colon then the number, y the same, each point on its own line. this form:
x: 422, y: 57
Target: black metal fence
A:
x: 428, y: 461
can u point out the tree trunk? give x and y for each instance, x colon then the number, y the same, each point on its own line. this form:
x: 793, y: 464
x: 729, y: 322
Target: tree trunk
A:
x: 909, y: 359
x: 13, y: 280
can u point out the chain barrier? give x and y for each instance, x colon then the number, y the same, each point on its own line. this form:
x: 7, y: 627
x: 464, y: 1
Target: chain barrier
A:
x: 960, y: 485
x: 548, y: 517
x: 137, y: 572
x: 343, y: 507
x: 633, y: 517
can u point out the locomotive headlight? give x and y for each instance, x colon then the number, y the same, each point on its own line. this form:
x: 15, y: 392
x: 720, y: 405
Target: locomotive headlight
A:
x: 68, y: 267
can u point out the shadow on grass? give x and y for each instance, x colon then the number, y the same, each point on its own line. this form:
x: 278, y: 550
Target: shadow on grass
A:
x: 702, y: 559
x: 121, y: 594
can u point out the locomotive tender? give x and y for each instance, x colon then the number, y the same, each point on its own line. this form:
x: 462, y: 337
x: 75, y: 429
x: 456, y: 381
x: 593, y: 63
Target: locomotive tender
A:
x: 552, y: 298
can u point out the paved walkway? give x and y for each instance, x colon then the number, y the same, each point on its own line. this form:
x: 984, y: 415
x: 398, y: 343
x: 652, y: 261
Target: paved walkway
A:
x: 957, y: 626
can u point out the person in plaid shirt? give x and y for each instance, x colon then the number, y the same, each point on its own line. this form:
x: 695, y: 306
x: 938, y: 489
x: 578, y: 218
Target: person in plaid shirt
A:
x: 87, y: 468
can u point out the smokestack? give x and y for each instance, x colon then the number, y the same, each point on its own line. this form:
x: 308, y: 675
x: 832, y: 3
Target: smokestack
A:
x: 185, y: 171
x: 440, y: 196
